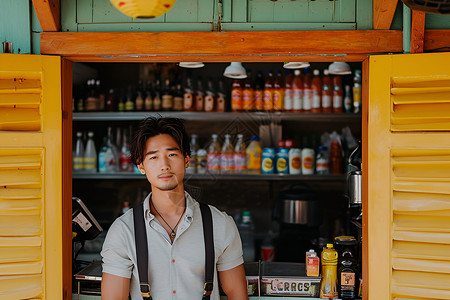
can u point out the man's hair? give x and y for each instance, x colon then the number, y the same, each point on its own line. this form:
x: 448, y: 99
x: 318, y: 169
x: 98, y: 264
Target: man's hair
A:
x: 153, y: 126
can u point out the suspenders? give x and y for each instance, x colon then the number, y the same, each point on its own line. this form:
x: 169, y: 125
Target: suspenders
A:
x: 142, y: 250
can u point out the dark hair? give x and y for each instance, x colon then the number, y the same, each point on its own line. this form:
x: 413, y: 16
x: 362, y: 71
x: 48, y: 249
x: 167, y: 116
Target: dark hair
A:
x: 152, y: 126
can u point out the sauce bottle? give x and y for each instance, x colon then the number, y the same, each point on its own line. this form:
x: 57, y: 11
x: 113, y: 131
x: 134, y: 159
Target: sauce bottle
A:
x: 247, y: 93
x: 307, y: 92
x: 337, y: 94
x: 188, y: 97
x: 278, y: 93
x: 258, y: 94
x: 209, y: 97
x: 268, y: 92
x: 213, y: 156
x: 253, y: 153
x: 335, y: 156
x: 167, y: 97
x: 317, y: 92
x: 357, y: 81
x: 297, y: 87
x: 347, y: 273
x: 327, y: 93
x: 347, y: 99
x: 221, y: 98
x: 240, y: 155
x: 199, y: 96
x: 236, y: 95
x: 227, y: 156
x: 328, y: 286
x: 288, y: 91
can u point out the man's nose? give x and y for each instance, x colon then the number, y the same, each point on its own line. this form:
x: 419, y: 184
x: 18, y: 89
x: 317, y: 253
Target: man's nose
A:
x: 165, y: 164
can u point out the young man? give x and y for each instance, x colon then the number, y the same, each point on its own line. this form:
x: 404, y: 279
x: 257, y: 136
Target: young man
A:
x: 173, y: 221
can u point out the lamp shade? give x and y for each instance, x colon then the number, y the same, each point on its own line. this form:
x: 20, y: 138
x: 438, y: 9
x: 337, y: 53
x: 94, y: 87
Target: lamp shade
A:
x: 144, y: 9
x: 235, y: 70
x: 296, y: 65
x: 191, y: 65
x: 339, y: 68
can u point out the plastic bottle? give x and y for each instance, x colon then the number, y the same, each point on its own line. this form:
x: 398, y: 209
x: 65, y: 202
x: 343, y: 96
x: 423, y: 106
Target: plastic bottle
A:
x: 338, y: 94
x: 193, y: 158
x: 312, y: 263
x: 278, y: 92
x: 210, y: 103
x: 199, y: 96
x: 253, y: 153
x: 202, y: 161
x: 288, y: 91
x: 335, y: 154
x: 307, y: 92
x: 322, y: 162
x: 258, y: 94
x: 125, y: 164
x: 247, y: 93
x: 107, y: 159
x: 317, y: 92
x: 297, y: 87
x: 347, y: 99
x: 267, y: 248
x: 327, y: 93
x: 240, y: 155
x: 227, y: 156
x: 328, y: 286
x: 357, y: 84
x: 78, y: 154
x: 246, y: 231
x: 213, y: 157
x: 90, y: 154
x: 268, y: 92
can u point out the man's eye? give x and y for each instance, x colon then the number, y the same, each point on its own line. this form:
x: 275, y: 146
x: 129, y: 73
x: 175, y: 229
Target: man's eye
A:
x: 153, y: 157
x: 172, y: 154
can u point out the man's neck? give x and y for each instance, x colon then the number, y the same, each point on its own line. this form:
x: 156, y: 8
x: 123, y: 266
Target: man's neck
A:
x: 169, y: 202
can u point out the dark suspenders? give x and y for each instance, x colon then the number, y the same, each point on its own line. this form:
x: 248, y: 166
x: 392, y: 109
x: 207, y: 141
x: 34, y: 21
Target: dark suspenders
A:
x: 142, y: 250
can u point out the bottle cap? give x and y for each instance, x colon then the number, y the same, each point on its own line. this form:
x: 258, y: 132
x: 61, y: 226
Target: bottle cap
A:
x: 326, y: 72
x: 316, y: 72
x: 281, y: 143
x: 254, y: 138
x: 329, y: 245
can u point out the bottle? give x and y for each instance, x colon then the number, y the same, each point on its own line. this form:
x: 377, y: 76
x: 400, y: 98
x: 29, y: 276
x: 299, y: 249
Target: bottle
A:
x: 227, y: 156
x: 335, y: 156
x: 337, y: 94
x: 199, y: 96
x: 213, y: 158
x: 178, y: 98
x: 202, y: 161
x: 91, y: 103
x: 246, y: 231
x: 110, y: 101
x: 129, y: 104
x: 157, y: 97
x: 278, y: 92
x: 307, y: 161
x: 307, y: 92
x: 139, y: 98
x: 236, y: 95
x: 221, y: 98
x: 100, y: 95
x: 322, y: 162
x: 258, y: 94
x: 317, y: 92
x: 148, y: 102
x: 125, y: 164
x: 347, y: 99
x: 123, y: 99
x: 240, y: 155
x: 347, y: 273
x: 247, y: 93
x: 295, y: 161
x: 106, y: 159
x: 267, y: 248
x: 268, y: 92
x: 327, y: 93
x: 288, y: 91
x: 193, y: 158
x: 167, y: 97
x: 328, y: 286
x: 90, y: 154
x: 297, y: 97
x: 357, y: 80
x: 188, y: 96
x: 78, y: 154
x: 125, y: 207
x: 312, y: 263
x: 210, y: 97
x: 254, y: 153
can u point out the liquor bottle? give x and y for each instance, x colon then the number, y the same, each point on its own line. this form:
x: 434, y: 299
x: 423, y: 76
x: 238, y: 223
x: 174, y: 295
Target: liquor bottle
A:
x: 337, y: 94
x: 213, y: 156
x: 110, y: 101
x: 148, y: 102
x: 357, y: 80
x: 221, y: 98
x: 210, y: 97
x: 157, y: 97
x: 227, y: 156
x: 307, y: 91
x: 90, y: 154
x: 240, y: 155
x: 288, y: 91
x: 178, y: 98
x: 78, y: 154
x: 316, y: 86
x: 247, y: 93
x: 278, y: 92
x: 259, y: 92
x: 167, y: 97
x: 188, y: 96
x: 123, y: 99
x: 129, y: 104
x: 199, y: 96
x: 139, y: 98
x: 236, y: 96
x: 297, y: 87
x: 100, y: 96
x: 107, y: 158
x: 125, y: 164
x: 347, y: 99
x: 193, y: 158
x: 91, y: 103
x: 327, y: 93
x: 268, y: 92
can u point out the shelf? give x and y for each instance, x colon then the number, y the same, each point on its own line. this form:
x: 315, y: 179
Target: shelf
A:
x: 214, y: 177
x: 216, y: 116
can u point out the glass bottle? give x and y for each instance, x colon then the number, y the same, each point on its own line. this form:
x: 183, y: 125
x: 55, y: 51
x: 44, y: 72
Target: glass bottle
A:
x: 322, y: 162
x: 107, y: 159
x: 210, y: 96
x: 167, y: 97
x: 236, y: 95
x: 213, y: 156
x: 307, y: 91
x: 78, y: 154
x: 327, y: 93
x: 258, y: 94
x: 227, y: 156
x: 193, y: 158
x: 357, y: 84
x: 317, y: 92
x: 139, y: 98
x: 100, y: 95
x: 178, y: 98
x: 247, y: 93
x: 221, y: 98
x: 157, y: 97
x: 188, y: 96
x: 240, y: 155
x: 90, y: 154
x: 297, y: 97
x: 110, y: 101
x: 268, y: 92
x: 129, y: 104
x: 337, y: 94
x: 288, y: 91
x: 199, y: 96
x: 278, y: 92
x: 125, y: 164
x: 123, y: 99
x: 347, y: 99
x: 148, y: 102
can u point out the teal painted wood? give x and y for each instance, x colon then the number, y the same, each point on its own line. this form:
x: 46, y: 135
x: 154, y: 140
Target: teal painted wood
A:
x: 287, y: 26
x: 239, y: 10
x: 103, y: 12
x: 397, y: 21
x: 205, y: 10
x: 84, y: 11
x: 364, y: 15
x: 434, y: 21
x: 69, y: 15
x: 145, y: 27
x: 15, y: 25
x: 347, y: 11
x: 226, y: 10
x: 35, y: 33
x: 185, y: 11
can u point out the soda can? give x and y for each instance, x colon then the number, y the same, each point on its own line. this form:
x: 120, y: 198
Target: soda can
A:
x: 282, y: 161
x: 267, y: 161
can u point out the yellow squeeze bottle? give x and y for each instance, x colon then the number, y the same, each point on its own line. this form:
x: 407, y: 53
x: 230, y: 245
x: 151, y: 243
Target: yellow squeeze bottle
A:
x: 328, y: 286
x: 253, y: 154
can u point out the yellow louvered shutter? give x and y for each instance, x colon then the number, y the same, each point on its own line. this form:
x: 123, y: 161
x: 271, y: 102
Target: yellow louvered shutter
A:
x: 408, y: 177
x: 30, y: 177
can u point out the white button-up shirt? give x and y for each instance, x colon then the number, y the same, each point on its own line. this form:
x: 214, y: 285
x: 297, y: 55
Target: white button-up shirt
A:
x: 176, y: 270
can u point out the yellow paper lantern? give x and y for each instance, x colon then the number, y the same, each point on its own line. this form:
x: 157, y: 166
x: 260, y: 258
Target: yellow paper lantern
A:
x: 145, y: 9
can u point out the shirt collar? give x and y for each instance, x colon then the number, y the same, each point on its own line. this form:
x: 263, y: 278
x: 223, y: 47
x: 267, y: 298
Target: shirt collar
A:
x: 190, y: 203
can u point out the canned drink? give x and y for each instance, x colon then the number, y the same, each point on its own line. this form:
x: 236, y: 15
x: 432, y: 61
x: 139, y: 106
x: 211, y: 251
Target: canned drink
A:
x: 282, y: 161
x: 307, y: 161
x: 268, y: 156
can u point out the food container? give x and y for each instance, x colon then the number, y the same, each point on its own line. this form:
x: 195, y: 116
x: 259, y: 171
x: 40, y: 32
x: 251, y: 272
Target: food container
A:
x: 252, y: 277
x: 287, y: 279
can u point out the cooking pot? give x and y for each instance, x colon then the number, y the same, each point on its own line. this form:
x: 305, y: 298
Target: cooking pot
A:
x: 298, y: 204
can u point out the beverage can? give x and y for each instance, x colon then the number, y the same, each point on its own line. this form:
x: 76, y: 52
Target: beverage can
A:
x: 295, y: 161
x: 282, y: 161
x: 307, y: 161
x: 268, y: 156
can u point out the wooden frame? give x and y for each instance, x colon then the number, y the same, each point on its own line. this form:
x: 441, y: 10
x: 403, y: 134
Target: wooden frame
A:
x: 48, y: 13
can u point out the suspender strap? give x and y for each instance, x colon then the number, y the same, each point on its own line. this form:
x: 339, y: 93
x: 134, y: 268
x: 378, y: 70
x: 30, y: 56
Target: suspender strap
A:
x: 141, y: 250
x: 209, y: 251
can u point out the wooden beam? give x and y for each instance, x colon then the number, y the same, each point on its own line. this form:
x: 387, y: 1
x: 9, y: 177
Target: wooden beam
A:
x: 383, y: 13
x: 437, y: 40
x: 352, y: 45
x: 417, y: 31
x: 48, y: 13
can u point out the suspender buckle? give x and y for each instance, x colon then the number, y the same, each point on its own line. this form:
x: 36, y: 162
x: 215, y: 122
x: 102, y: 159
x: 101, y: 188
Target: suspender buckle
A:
x: 145, y: 291
x: 207, y: 288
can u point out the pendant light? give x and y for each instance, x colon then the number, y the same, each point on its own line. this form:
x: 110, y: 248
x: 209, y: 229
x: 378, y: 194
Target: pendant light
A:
x: 191, y: 65
x: 296, y: 65
x: 339, y: 68
x: 144, y: 9
x: 235, y: 71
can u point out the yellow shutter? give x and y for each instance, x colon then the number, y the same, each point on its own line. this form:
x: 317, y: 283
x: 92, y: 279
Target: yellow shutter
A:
x: 408, y: 177
x: 30, y: 177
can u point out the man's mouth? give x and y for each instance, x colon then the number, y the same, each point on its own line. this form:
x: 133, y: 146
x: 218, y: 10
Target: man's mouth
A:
x: 165, y: 176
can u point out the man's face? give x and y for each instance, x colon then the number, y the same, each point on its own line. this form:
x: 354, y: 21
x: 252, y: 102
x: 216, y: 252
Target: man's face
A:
x: 164, y: 163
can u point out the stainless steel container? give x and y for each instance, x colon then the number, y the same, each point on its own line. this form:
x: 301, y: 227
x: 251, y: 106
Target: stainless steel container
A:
x: 355, y: 187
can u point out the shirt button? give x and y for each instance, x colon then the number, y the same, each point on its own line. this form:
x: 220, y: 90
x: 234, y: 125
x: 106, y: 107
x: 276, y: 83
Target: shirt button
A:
x: 173, y: 260
x: 174, y: 292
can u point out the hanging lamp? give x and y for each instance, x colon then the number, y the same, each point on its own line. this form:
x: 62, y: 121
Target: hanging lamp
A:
x: 143, y: 9
x: 339, y: 68
x: 296, y: 65
x: 235, y: 71
x: 191, y: 65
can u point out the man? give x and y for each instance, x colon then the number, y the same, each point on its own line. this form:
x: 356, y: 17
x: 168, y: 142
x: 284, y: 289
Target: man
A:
x: 160, y: 149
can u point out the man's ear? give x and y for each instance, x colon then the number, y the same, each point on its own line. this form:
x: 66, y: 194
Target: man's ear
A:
x: 141, y: 168
x: 187, y: 158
